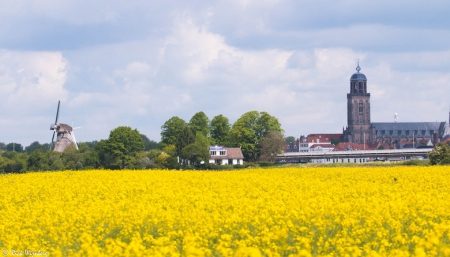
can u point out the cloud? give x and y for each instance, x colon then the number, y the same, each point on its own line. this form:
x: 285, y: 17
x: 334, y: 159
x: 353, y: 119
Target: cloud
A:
x: 139, y: 63
x: 193, y: 69
x: 31, y: 78
x: 30, y: 83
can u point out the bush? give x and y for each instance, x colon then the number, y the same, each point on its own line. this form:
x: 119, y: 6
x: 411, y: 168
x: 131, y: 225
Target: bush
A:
x: 416, y: 163
x: 440, y: 154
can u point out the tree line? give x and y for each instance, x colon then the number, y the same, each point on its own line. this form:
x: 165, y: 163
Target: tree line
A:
x: 258, y: 134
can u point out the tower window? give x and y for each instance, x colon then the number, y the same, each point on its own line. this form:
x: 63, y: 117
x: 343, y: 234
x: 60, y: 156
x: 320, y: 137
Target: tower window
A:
x: 361, y: 108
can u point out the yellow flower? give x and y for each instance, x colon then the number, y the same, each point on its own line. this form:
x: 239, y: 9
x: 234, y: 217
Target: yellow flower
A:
x: 354, y: 211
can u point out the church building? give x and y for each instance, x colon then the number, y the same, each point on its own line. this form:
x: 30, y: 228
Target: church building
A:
x: 385, y: 135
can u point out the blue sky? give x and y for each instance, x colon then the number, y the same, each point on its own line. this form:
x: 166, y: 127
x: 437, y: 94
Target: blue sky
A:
x: 137, y: 63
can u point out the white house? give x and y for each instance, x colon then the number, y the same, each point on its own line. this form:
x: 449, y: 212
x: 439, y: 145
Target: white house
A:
x: 225, y: 155
x: 317, y: 143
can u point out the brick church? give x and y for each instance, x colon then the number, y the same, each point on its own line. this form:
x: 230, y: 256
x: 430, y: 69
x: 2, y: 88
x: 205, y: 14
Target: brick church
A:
x: 384, y: 135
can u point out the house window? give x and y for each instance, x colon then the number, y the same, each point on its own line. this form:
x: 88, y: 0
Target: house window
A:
x: 212, y: 153
x: 222, y: 153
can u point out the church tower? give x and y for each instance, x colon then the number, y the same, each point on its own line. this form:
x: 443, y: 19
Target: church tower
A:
x: 358, y: 109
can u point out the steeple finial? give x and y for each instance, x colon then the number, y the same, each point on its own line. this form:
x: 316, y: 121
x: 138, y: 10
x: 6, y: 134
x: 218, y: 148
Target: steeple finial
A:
x: 358, y: 68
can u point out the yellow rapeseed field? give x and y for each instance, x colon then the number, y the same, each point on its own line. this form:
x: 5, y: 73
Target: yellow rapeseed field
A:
x: 355, y: 211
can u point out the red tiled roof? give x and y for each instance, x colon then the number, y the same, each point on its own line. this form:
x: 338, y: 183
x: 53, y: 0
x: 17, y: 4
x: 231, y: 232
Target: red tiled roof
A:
x: 447, y: 140
x: 312, y: 138
x: 235, y: 153
x: 232, y: 153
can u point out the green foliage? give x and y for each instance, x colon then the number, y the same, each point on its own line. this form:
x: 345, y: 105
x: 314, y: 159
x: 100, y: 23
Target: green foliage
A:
x: 271, y: 145
x: 267, y: 123
x: 199, y: 123
x: 249, y: 129
x: 220, y: 130
x: 45, y: 160
x: 120, y: 150
x: 36, y: 146
x: 12, y: 162
x: 289, y: 140
x: 440, y: 154
x: 185, y: 138
x: 84, y: 158
x: 14, y: 147
x: 171, y: 130
x: 197, y: 152
x: 167, y: 158
x: 127, y: 148
x: 149, y: 144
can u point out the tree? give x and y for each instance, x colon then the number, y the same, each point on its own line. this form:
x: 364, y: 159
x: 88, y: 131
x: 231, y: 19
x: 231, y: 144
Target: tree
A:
x: 199, y: 123
x: 271, y: 145
x: 197, y: 152
x: 185, y: 138
x: 171, y: 130
x: 121, y: 147
x: 249, y: 129
x: 12, y: 162
x: 149, y: 144
x: 45, y: 160
x: 440, y: 154
x: 35, y: 146
x: 84, y: 158
x: 14, y: 147
x: 266, y: 124
x: 290, y: 140
x: 220, y: 130
x: 167, y: 157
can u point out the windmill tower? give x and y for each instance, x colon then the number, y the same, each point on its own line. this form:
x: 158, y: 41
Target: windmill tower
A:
x: 64, y: 135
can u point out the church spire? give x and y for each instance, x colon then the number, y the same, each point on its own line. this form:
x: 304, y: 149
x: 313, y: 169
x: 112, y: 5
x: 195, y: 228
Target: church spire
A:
x: 358, y: 68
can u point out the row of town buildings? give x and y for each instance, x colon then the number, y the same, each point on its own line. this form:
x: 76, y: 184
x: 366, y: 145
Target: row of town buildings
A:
x: 360, y: 134
x: 363, y: 134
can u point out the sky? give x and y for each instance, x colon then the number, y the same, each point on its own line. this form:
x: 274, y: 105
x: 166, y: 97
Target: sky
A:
x: 138, y: 63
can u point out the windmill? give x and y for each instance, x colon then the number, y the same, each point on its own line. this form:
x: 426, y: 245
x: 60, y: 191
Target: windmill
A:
x: 64, y: 135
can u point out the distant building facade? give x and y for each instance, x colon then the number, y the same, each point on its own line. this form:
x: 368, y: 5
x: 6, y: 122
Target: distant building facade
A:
x: 318, y: 142
x: 363, y: 134
x: 358, y: 109
x: 226, y: 155
x: 385, y: 135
